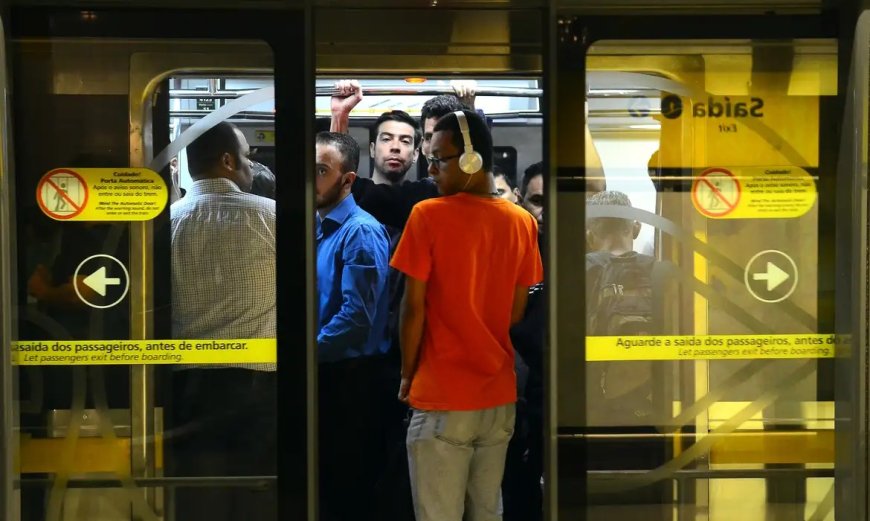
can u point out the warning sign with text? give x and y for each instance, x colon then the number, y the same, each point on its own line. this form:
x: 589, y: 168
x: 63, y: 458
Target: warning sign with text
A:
x: 102, y: 194
x: 753, y: 192
x: 708, y: 347
x: 149, y: 352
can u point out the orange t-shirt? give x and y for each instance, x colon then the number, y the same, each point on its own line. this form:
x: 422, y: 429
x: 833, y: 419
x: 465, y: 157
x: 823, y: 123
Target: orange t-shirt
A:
x: 472, y: 252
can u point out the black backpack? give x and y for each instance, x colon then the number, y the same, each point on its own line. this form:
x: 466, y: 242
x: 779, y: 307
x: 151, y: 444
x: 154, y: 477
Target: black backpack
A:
x: 620, y: 302
x: 621, y: 297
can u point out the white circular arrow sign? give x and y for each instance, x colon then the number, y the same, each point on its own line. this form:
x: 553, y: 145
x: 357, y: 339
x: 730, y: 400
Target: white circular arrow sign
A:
x: 774, y: 268
x: 100, y: 282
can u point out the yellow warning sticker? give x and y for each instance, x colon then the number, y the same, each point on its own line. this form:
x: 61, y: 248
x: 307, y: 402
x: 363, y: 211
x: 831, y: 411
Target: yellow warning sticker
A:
x: 102, y: 194
x: 708, y: 347
x: 148, y: 352
x: 753, y: 192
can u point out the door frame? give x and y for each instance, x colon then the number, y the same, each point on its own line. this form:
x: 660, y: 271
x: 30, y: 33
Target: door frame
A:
x: 566, y: 172
x: 287, y: 31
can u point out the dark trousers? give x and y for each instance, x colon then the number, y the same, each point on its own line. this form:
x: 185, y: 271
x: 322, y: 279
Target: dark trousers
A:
x: 393, y: 489
x: 352, y: 440
x: 223, y: 422
x: 524, y: 466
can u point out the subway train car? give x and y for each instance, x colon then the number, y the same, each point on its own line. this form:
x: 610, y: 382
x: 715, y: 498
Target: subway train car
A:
x: 727, y: 140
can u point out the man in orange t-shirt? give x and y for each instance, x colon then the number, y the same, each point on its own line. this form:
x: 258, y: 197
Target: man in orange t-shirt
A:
x: 457, y: 359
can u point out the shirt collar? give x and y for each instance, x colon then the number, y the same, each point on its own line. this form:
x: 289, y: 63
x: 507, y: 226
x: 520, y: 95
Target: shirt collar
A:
x: 215, y: 185
x: 342, y: 211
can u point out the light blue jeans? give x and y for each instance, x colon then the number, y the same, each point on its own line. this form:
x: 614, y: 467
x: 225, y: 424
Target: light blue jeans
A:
x: 456, y: 460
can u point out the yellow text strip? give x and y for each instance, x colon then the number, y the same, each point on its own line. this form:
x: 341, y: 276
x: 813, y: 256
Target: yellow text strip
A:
x: 148, y: 352
x: 708, y: 347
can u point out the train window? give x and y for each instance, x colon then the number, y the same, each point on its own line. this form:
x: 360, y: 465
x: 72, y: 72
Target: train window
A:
x: 192, y: 98
x: 708, y: 341
x: 497, y: 96
x: 512, y: 107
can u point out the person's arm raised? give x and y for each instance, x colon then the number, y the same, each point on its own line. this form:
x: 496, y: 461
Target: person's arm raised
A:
x: 465, y: 91
x: 348, y: 96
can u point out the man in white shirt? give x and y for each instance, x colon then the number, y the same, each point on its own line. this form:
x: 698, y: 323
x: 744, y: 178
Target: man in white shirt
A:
x: 223, y: 417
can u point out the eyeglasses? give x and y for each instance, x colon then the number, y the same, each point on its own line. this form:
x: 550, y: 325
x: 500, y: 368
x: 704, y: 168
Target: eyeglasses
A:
x: 440, y: 160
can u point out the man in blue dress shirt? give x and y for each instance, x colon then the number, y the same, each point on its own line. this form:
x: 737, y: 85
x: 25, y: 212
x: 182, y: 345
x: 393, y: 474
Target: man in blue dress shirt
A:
x: 352, y: 273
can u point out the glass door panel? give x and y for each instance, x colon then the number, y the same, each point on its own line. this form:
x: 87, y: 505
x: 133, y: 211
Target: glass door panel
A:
x: 708, y: 364
x: 146, y: 330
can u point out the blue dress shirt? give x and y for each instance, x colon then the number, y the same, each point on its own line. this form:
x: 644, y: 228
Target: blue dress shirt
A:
x: 352, y: 273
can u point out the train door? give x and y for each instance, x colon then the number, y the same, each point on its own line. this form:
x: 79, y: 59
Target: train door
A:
x: 851, y: 501
x: 153, y: 378
x: 701, y: 383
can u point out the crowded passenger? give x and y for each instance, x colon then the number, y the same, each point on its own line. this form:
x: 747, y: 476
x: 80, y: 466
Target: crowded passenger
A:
x: 505, y: 186
x: 349, y: 94
x: 525, y: 467
x: 624, y: 388
x: 525, y: 460
x: 532, y: 192
x: 393, y: 147
x: 394, y: 143
x: 456, y: 252
x: 264, y: 180
x: 392, y: 204
x: 175, y: 190
x: 223, y: 417
x: 352, y: 273
x: 621, y: 396
x: 433, y: 110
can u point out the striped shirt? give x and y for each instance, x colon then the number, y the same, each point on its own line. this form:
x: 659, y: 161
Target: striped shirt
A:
x: 223, y: 265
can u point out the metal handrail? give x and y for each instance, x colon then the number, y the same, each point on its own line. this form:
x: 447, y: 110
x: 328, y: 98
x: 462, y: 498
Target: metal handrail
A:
x: 270, y: 116
x: 165, y: 482
x: 421, y: 90
x: 435, y: 90
x: 267, y: 481
x: 530, y: 114
x: 207, y: 94
x: 692, y: 474
x: 374, y: 90
x: 257, y: 115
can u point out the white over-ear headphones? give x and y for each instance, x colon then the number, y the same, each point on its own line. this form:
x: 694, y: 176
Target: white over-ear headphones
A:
x: 470, y: 161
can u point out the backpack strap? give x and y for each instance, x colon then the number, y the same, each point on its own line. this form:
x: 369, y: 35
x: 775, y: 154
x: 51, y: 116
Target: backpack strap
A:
x: 598, y: 258
x: 597, y: 262
x: 662, y: 272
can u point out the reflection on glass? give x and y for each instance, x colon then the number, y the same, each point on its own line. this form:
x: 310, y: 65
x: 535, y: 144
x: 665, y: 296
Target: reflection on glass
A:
x: 192, y: 278
x: 705, y: 344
